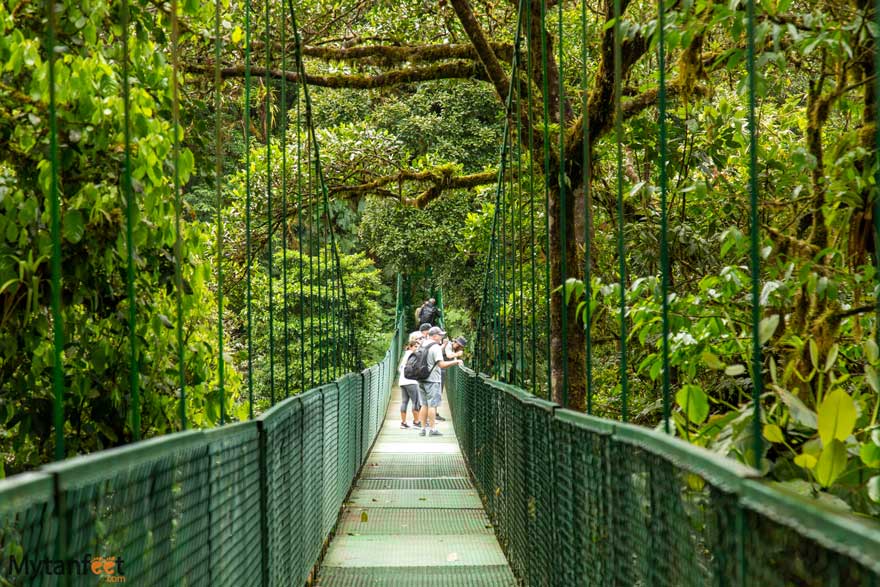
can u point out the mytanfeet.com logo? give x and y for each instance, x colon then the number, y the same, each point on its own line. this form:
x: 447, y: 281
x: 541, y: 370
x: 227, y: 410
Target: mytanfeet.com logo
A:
x: 107, y: 569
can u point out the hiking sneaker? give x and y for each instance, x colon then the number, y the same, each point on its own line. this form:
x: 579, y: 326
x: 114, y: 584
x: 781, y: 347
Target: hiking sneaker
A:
x: 417, y: 424
x: 404, y: 425
x: 434, y: 432
x: 422, y: 432
x: 440, y: 418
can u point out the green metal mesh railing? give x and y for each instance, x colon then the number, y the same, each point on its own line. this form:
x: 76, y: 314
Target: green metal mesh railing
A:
x: 578, y: 500
x: 245, y: 504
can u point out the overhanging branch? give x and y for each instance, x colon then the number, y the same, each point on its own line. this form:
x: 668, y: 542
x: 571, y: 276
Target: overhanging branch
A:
x: 452, y: 70
x: 440, y: 180
x: 391, y: 54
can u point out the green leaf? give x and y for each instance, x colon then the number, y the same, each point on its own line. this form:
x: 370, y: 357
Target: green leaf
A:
x: 872, y: 352
x: 73, y: 226
x: 767, y: 327
x: 832, y: 463
x: 805, y: 461
x: 872, y: 378
x: 837, y: 416
x: 798, y: 410
x: 693, y: 402
x: 712, y: 361
x: 874, y: 488
x: 773, y: 433
x: 734, y: 370
x: 814, y: 353
x: 870, y: 454
x: 832, y: 356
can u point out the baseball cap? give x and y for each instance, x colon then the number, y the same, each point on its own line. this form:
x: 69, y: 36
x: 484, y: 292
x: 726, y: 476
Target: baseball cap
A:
x: 461, y: 340
x: 436, y: 330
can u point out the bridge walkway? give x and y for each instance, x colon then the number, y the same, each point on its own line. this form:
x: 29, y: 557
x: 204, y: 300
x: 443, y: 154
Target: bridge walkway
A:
x: 414, y: 518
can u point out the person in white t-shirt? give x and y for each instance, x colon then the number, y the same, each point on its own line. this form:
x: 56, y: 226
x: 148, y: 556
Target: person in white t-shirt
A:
x: 409, y: 388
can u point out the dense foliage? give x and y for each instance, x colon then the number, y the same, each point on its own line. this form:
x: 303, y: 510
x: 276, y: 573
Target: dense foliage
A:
x: 409, y: 120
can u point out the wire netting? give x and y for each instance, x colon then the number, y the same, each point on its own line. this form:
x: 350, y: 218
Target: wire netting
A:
x: 577, y: 500
x: 251, y: 503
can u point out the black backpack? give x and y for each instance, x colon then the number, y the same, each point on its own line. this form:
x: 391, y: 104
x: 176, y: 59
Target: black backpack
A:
x: 417, y: 364
x: 427, y: 314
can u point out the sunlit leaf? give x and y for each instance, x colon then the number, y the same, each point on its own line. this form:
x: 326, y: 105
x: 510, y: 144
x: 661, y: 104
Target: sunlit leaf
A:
x: 837, y: 416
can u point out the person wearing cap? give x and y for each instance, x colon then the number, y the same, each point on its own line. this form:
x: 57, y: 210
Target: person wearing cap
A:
x: 452, y: 349
x: 409, y: 388
x: 422, y: 333
x: 429, y: 388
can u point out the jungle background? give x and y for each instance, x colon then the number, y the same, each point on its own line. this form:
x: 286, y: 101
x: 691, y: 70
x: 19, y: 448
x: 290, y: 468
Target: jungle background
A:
x: 410, y: 118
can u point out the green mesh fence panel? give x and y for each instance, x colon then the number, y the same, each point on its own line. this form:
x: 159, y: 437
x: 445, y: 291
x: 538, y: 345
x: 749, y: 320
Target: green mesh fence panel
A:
x: 331, y: 457
x: 540, y: 493
x: 284, y: 492
x: 582, y: 501
x: 151, y: 504
x: 343, y: 441
x: 246, y: 504
x: 27, y: 509
x: 313, y: 474
x: 234, y: 504
x: 581, y: 498
x: 366, y: 413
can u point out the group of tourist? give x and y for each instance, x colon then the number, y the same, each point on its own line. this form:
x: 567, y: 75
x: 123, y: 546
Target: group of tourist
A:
x: 433, y: 354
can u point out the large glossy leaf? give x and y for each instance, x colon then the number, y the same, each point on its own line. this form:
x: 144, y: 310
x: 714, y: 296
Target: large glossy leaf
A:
x: 837, y: 416
x: 693, y: 402
x: 832, y: 463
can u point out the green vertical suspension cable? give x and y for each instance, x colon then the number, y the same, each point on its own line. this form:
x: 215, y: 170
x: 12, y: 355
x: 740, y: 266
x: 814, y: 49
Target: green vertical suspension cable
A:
x: 299, y: 240
x: 283, y: 114
x: 546, y: 104
x: 757, y: 359
x: 249, y: 253
x: 270, y: 220
x: 319, y: 175
x: 877, y: 165
x: 518, y: 336
x: 128, y: 194
x: 588, y: 214
x: 563, y: 236
x: 310, y: 190
x: 531, y: 146
x: 664, y: 238
x: 55, y: 235
x: 218, y: 173
x: 321, y: 276
x: 502, y: 272
x: 178, y: 207
x: 511, y: 256
x: 618, y: 131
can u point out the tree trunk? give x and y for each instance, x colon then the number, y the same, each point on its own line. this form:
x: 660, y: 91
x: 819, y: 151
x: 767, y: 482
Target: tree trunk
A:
x: 570, y: 338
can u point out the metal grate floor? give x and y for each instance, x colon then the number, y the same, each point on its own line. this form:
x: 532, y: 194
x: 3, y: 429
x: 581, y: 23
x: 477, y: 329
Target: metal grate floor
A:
x: 414, y: 519
x: 417, y: 483
x: 474, y: 576
x: 407, y: 521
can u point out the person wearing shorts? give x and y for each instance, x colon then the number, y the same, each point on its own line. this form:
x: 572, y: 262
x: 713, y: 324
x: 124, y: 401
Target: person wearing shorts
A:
x: 409, y: 388
x: 429, y: 388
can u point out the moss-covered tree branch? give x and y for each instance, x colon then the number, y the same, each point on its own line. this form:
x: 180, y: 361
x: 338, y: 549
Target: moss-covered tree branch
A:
x: 452, y: 70
x: 439, y: 179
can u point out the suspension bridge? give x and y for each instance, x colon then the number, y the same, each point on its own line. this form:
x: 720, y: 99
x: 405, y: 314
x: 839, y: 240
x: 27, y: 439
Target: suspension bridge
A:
x: 321, y: 488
